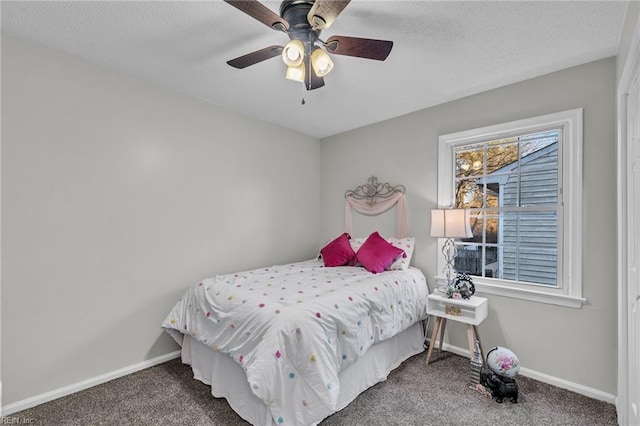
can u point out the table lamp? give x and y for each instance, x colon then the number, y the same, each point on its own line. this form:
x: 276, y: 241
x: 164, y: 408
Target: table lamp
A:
x: 450, y: 224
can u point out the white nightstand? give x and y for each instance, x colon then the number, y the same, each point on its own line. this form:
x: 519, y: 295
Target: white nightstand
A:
x: 470, y: 311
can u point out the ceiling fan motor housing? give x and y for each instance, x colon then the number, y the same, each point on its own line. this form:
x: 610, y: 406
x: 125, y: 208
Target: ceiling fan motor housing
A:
x: 295, y: 12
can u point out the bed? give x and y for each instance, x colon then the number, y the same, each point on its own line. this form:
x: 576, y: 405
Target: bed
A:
x: 291, y: 344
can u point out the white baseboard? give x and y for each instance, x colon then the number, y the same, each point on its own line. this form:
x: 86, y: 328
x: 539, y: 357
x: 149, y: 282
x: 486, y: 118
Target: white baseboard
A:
x: 565, y: 384
x: 85, y: 384
x: 546, y: 378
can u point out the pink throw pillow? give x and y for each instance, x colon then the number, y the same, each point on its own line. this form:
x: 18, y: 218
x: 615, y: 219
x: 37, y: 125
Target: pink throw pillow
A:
x: 338, y: 252
x: 376, y: 254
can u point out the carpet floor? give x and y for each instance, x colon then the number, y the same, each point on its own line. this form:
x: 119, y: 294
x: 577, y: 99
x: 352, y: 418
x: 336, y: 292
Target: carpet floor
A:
x: 413, y: 394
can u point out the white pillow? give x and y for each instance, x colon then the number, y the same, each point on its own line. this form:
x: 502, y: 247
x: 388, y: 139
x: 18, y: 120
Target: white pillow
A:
x: 356, y: 243
x: 406, y: 244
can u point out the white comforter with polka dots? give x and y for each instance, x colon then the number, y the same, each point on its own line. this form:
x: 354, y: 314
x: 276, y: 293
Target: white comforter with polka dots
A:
x: 294, y: 327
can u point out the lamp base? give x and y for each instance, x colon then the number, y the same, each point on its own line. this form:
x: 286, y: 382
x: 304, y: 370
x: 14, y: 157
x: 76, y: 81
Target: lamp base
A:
x: 450, y: 252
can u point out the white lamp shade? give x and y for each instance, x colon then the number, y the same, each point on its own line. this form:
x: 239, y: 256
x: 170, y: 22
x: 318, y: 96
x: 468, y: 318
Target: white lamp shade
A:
x: 296, y: 73
x: 293, y: 53
x: 321, y: 62
x: 450, y: 223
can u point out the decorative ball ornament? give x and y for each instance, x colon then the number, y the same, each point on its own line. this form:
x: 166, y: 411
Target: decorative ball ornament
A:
x: 503, y: 362
x: 462, y: 287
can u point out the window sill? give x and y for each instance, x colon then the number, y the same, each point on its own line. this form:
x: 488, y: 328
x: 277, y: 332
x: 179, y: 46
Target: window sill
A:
x: 532, y: 295
x: 526, y: 294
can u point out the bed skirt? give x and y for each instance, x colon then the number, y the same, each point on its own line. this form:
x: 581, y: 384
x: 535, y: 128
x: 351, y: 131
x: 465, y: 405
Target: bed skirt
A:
x: 227, y: 379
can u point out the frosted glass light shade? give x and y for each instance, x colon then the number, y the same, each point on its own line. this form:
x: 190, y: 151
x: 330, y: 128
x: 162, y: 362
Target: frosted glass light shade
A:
x: 450, y: 223
x: 296, y: 73
x: 293, y: 53
x: 321, y: 62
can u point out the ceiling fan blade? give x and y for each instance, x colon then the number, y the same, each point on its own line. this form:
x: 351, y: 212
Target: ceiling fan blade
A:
x: 360, y: 47
x: 324, y: 12
x: 260, y: 12
x: 255, y: 57
x: 313, y: 81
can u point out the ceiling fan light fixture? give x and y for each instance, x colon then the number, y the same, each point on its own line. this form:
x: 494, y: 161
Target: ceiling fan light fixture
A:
x: 296, y: 73
x: 321, y: 62
x: 303, y: 21
x: 293, y: 53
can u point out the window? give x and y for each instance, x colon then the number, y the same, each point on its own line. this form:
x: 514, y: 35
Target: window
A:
x: 521, y: 182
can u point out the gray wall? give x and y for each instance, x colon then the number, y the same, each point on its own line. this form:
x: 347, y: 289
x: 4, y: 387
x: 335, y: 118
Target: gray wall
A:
x: 630, y: 21
x: 577, y: 345
x: 116, y: 196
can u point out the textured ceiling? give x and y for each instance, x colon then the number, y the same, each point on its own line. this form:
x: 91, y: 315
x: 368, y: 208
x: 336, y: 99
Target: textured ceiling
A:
x: 443, y: 50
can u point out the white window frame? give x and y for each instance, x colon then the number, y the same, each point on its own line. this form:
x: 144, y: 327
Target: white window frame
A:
x: 569, y: 290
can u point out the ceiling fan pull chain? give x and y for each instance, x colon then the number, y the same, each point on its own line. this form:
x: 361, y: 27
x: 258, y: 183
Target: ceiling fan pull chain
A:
x: 307, y: 77
x: 303, y: 93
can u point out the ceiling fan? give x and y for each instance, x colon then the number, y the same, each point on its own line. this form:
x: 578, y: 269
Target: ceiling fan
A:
x: 306, y: 55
